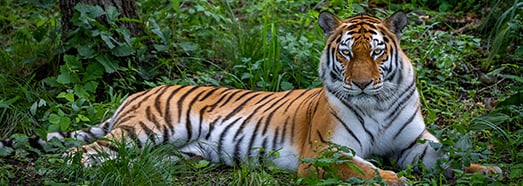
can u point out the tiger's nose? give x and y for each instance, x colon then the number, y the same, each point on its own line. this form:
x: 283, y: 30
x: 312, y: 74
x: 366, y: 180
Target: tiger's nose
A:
x: 362, y: 83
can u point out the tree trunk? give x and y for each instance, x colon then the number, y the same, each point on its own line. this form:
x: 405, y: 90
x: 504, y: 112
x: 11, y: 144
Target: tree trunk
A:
x: 127, y: 8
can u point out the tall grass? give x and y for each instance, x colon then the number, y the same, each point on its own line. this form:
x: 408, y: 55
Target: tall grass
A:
x: 503, y: 29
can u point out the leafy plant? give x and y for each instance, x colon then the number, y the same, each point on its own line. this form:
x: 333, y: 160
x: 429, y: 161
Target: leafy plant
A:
x: 324, y: 167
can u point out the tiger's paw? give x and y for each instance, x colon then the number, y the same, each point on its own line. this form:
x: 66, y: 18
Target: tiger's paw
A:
x: 494, y: 171
x: 392, y: 178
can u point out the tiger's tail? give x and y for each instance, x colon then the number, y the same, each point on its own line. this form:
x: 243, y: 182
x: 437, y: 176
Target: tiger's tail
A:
x: 85, y: 135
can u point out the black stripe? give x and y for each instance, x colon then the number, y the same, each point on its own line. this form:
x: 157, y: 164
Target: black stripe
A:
x: 237, y: 151
x: 422, y: 155
x: 263, y: 150
x: 275, y: 137
x: 346, y: 128
x: 180, y: 101
x: 167, y: 110
x: 245, y: 93
x: 33, y: 142
x: 251, y: 141
x: 271, y: 114
x: 296, y: 98
x: 130, y: 134
x: 222, y: 137
x: 152, y: 118
x: 259, y: 106
x: 239, y: 108
x: 150, y: 133
x: 307, y: 99
x: 158, y: 102
x: 414, y: 142
x: 230, y: 96
x: 209, y: 93
x: 105, y: 144
x: 322, y: 140
x: 329, y: 54
x: 211, y: 127
x: 284, y: 132
x: 125, y: 119
x: 188, y: 123
x: 200, y: 123
x: 293, y: 124
x: 88, y: 135
x: 222, y: 97
x: 130, y: 100
x: 405, y: 125
x: 360, y: 119
x: 400, y: 103
x: 166, y: 135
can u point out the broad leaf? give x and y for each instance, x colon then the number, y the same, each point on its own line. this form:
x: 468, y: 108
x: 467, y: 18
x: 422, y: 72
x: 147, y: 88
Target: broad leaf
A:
x: 122, y: 51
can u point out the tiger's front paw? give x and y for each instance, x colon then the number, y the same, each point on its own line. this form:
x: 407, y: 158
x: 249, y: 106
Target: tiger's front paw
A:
x: 392, y: 178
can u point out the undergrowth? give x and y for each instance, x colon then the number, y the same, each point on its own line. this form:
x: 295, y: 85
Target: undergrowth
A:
x: 470, y: 84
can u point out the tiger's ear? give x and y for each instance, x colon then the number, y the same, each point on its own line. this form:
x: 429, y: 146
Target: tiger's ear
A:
x: 397, y: 22
x: 328, y: 23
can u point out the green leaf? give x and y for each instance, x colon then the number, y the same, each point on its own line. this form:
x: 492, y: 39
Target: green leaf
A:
x: 110, y: 66
x: 37, y: 104
x: 122, y: 51
x: 91, y: 86
x: 54, y: 119
x: 201, y: 164
x: 65, y: 122
x: 125, y: 33
x: 89, y: 10
x: 355, y: 168
x: 308, y: 160
x: 80, y: 91
x: 161, y: 48
x: 86, y: 51
x: 82, y: 118
x: 513, y: 77
x: 67, y: 95
x: 516, y: 99
x: 6, y: 151
x: 112, y: 14
x: 107, y: 37
x: 69, y: 70
x: 286, y: 85
x: 493, y: 118
x: 156, y: 30
x: 39, y: 33
x: 93, y: 72
x: 64, y: 79
x: 188, y: 46
x: 53, y: 128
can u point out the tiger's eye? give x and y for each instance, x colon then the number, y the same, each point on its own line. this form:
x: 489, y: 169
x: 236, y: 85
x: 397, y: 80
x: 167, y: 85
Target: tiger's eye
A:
x: 345, y: 52
x: 377, y: 52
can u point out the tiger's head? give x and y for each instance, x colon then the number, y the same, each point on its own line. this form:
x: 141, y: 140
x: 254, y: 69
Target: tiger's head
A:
x: 361, y: 56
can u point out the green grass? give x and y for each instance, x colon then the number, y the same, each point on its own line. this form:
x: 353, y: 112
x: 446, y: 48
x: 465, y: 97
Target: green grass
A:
x: 266, y: 45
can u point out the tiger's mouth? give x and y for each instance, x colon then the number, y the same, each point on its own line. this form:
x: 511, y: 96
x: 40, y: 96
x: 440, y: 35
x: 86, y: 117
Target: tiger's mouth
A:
x: 356, y: 89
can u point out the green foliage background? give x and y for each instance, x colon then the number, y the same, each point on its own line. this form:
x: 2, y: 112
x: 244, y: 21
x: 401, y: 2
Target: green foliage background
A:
x: 51, y: 84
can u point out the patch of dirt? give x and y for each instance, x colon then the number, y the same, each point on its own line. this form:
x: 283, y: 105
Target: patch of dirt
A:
x: 23, y: 172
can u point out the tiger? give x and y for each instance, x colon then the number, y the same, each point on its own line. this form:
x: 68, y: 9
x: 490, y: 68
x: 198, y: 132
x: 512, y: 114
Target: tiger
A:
x: 368, y: 102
